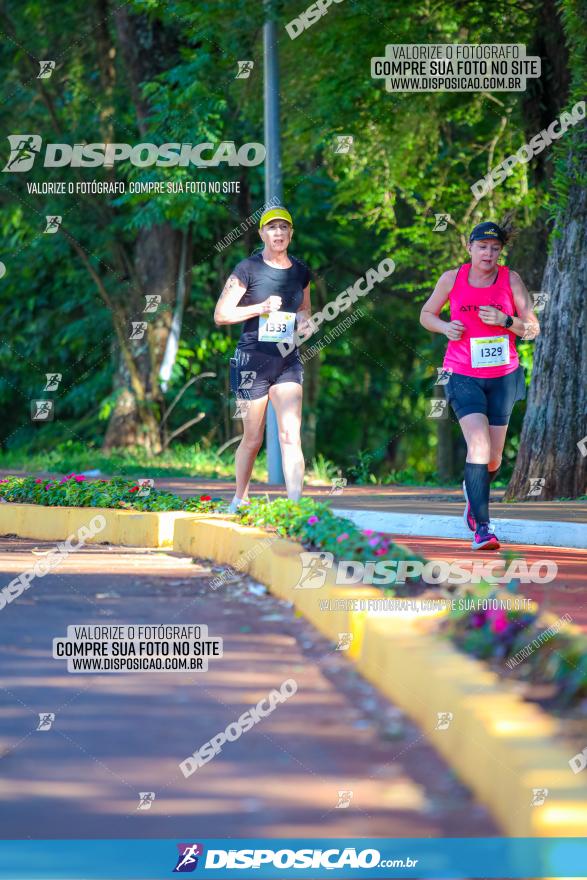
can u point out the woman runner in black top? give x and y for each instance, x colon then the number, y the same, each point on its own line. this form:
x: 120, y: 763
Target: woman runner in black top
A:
x: 269, y: 292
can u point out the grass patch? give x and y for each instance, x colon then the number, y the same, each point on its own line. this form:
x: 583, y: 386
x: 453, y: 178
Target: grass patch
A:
x: 181, y: 461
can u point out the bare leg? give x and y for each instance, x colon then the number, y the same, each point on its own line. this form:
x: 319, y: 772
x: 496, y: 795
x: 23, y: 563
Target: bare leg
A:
x: 286, y: 397
x: 497, y: 434
x: 248, y: 448
x: 476, y: 432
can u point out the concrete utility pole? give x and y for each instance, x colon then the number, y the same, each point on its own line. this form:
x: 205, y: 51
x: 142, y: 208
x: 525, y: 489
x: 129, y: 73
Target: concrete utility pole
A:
x: 273, y: 189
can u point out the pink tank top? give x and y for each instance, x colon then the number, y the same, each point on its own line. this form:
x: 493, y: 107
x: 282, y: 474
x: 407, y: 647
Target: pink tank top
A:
x: 464, y: 306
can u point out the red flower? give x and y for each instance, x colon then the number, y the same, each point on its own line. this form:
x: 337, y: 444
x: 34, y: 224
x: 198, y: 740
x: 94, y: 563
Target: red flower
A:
x: 135, y: 489
x: 205, y: 498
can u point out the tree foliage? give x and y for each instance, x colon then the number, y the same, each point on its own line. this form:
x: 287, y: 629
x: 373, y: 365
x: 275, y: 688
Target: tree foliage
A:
x: 413, y: 156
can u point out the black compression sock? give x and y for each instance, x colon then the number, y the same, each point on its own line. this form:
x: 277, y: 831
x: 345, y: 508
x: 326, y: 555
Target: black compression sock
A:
x: 477, y: 483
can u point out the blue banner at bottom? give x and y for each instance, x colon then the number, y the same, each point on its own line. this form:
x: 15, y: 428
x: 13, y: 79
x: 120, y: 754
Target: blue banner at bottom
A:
x: 367, y: 858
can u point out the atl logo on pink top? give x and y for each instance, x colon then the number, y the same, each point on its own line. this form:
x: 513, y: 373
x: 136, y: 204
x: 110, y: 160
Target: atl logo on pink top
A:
x: 481, y: 342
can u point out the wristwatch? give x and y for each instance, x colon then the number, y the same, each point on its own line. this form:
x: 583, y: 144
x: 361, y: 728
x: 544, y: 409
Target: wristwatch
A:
x: 508, y: 321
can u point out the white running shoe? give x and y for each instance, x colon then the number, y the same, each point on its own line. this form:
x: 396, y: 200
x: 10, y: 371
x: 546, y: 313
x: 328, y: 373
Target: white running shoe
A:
x: 237, y: 503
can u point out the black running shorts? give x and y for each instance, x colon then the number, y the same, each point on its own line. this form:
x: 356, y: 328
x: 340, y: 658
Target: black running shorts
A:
x: 494, y: 398
x: 253, y: 372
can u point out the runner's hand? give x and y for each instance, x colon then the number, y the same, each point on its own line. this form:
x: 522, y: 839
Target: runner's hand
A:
x: 454, y: 330
x: 271, y: 304
x: 490, y: 315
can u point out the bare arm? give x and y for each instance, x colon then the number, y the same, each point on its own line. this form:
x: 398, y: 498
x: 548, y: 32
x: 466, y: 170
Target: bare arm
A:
x: 228, y: 311
x: 526, y: 324
x: 429, y: 315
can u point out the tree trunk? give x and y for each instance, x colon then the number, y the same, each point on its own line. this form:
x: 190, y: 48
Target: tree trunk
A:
x: 133, y: 421
x: 555, y: 416
x: 136, y: 416
x: 146, y: 49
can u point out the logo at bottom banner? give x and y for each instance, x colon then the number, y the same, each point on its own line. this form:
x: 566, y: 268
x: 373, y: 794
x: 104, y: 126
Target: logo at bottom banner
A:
x: 328, y: 859
x: 187, y: 860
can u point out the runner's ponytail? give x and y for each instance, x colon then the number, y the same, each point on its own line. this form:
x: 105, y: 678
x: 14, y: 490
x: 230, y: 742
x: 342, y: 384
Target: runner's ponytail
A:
x: 510, y: 232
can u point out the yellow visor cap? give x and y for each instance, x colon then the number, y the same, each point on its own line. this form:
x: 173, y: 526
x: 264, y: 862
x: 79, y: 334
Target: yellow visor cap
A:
x: 275, y: 214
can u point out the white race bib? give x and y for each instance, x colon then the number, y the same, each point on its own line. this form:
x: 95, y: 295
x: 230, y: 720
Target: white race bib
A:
x: 490, y: 351
x: 277, y: 327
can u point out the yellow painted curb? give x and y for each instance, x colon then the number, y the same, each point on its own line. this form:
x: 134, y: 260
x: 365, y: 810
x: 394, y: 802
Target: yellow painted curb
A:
x: 127, y: 528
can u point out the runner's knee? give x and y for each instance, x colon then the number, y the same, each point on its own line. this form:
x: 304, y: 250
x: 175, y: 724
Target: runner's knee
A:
x: 252, y: 443
x: 478, y: 449
x: 290, y: 438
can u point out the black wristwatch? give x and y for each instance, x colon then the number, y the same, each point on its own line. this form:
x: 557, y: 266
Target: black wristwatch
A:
x: 508, y: 321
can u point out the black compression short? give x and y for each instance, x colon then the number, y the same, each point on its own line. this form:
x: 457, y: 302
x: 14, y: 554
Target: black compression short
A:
x: 494, y: 398
x: 253, y: 372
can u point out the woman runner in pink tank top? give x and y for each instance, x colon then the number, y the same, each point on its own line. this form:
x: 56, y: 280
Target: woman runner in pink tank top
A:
x: 489, y: 308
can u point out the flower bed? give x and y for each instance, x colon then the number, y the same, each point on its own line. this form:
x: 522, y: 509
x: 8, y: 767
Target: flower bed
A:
x: 75, y: 490
x: 314, y: 525
x: 518, y: 644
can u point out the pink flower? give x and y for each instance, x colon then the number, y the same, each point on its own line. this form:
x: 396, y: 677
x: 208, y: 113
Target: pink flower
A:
x: 38, y: 480
x: 342, y: 537
x: 373, y: 542
x: 367, y: 531
x: 499, y: 620
x: 381, y: 552
x: 79, y: 478
x: 312, y: 520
